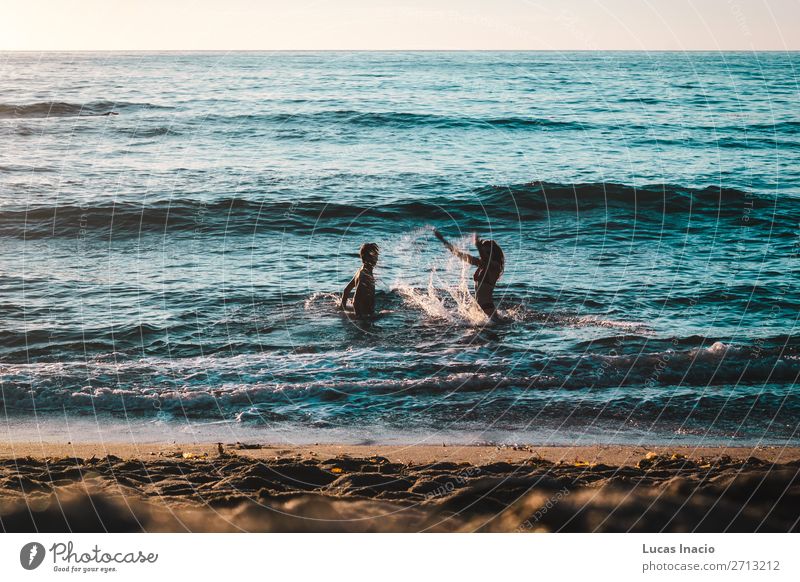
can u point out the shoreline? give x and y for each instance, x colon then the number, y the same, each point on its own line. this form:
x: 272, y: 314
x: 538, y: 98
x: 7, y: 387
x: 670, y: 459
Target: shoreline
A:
x: 52, y: 430
x: 60, y: 487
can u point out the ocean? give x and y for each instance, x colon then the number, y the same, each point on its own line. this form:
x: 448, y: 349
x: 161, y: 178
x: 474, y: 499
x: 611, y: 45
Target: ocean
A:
x: 176, y: 227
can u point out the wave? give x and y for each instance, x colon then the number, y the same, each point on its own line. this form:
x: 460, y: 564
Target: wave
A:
x: 144, y: 132
x: 514, y: 203
x: 226, y: 383
x: 671, y: 197
x: 761, y: 412
x: 749, y: 142
x: 46, y: 109
x: 768, y: 414
x: 791, y: 127
x: 393, y: 119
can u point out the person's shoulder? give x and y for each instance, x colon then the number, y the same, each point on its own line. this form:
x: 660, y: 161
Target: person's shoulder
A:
x: 366, y: 276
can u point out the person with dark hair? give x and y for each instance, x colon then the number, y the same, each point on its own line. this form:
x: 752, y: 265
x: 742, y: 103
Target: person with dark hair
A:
x: 363, y: 282
x: 491, y: 263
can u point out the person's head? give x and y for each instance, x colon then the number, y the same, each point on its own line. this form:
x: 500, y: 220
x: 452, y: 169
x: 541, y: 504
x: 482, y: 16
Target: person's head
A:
x: 490, y: 251
x: 369, y: 254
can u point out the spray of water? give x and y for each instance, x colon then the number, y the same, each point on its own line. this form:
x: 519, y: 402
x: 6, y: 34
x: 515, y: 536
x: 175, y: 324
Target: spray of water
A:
x: 328, y: 300
x: 443, y: 290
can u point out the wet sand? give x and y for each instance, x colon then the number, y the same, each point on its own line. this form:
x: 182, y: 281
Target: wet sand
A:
x: 249, y: 487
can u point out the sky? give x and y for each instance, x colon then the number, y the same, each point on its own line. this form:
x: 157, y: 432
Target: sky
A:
x: 399, y: 24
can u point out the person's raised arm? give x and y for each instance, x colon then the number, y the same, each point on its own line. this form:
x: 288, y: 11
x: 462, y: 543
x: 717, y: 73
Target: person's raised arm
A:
x: 466, y: 257
x: 346, y: 293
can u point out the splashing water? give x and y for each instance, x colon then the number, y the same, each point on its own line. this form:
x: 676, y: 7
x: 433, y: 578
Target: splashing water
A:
x: 322, y: 298
x: 446, y: 295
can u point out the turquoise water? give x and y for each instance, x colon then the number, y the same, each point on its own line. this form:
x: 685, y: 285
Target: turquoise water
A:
x: 175, y: 226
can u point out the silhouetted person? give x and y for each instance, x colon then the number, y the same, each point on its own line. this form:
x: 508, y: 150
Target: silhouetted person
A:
x: 491, y: 263
x: 364, y: 283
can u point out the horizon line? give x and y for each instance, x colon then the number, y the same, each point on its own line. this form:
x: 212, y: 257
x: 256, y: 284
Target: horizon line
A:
x: 398, y: 50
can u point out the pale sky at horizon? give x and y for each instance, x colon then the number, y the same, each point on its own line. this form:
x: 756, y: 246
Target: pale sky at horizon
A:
x: 400, y: 24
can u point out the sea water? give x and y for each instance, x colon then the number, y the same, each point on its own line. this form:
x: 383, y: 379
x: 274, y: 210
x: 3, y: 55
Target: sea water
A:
x: 176, y: 229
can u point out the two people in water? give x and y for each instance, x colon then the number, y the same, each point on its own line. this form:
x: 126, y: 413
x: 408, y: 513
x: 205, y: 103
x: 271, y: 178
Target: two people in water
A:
x: 490, y: 264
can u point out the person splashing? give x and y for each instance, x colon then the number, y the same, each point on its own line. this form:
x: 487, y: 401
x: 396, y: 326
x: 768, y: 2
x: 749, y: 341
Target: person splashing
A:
x: 364, y: 283
x: 491, y: 264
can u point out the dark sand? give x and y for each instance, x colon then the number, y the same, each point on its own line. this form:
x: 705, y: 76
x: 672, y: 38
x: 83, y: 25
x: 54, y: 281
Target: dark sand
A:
x: 124, y: 487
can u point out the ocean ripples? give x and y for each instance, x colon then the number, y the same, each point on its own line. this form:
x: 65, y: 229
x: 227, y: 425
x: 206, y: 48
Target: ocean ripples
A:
x: 47, y: 109
x: 176, y: 231
x: 516, y: 202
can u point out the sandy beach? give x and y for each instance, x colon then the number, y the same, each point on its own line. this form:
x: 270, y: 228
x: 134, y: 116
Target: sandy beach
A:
x: 255, y: 487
